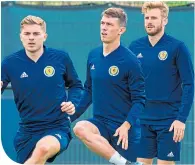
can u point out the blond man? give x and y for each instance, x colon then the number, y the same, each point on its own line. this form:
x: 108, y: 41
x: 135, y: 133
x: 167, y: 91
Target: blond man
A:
x: 169, y: 79
x: 38, y: 77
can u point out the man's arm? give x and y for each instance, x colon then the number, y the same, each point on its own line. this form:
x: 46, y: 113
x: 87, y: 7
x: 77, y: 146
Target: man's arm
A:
x: 4, y: 76
x: 186, y: 72
x: 137, y: 91
x: 137, y: 87
x: 86, y: 97
x: 72, y: 82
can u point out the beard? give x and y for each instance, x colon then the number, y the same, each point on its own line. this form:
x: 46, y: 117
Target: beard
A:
x: 155, y: 31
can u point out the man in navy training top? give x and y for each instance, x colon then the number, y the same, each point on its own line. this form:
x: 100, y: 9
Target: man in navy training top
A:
x: 169, y: 78
x: 38, y: 76
x: 115, y: 86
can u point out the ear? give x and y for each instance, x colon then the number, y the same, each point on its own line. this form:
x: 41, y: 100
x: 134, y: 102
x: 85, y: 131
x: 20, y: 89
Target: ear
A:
x: 165, y: 21
x: 20, y: 36
x: 122, y: 30
x: 45, y: 36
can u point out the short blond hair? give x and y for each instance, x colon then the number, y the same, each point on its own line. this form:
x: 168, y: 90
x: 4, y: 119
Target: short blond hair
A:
x: 116, y: 13
x: 33, y: 20
x: 156, y: 5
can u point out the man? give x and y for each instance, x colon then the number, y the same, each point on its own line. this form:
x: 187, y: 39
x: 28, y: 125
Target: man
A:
x: 169, y: 80
x: 115, y: 86
x: 38, y: 76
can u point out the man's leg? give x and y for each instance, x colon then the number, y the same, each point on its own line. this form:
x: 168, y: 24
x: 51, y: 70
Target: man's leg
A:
x: 164, y: 162
x: 134, y: 135
x: 168, y: 149
x: 45, y: 148
x: 148, y: 145
x: 145, y: 161
x: 90, y: 135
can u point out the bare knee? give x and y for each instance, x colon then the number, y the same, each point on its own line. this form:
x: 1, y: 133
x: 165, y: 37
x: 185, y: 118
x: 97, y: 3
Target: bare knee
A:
x: 80, y: 130
x: 145, y: 161
x: 42, y: 150
x: 39, y: 154
x: 85, y: 128
x: 164, y: 162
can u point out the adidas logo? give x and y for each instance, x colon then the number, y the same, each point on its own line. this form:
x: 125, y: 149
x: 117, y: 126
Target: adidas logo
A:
x: 58, y: 135
x: 23, y: 75
x: 92, y: 67
x: 139, y: 55
x: 170, y: 155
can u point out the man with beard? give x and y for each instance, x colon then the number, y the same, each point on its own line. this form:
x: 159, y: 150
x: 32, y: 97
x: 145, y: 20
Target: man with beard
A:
x: 115, y: 86
x: 169, y: 78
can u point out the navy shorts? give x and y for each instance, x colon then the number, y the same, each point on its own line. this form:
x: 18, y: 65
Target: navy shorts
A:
x: 107, y: 130
x: 157, y: 141
x: 25, y: 143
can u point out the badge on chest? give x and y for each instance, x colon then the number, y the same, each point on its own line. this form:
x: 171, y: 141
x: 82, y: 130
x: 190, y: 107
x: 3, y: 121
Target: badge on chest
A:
x: 163, y: 55
x: 49, y: 71
x: 113, y: 71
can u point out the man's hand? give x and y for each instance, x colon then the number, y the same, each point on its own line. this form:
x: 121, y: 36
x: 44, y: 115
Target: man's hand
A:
x: 122, y: 132
x: 68, y: 107
x: 179, y: 129
x: 1, y: 84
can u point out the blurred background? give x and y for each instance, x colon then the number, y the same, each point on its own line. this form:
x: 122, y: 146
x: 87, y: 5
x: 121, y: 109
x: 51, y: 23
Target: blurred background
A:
x: 74, y: 27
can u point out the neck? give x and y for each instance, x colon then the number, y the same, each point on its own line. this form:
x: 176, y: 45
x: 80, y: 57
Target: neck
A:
x: 35, y: 55
x: 154, y: 39
x: 110, y: 47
